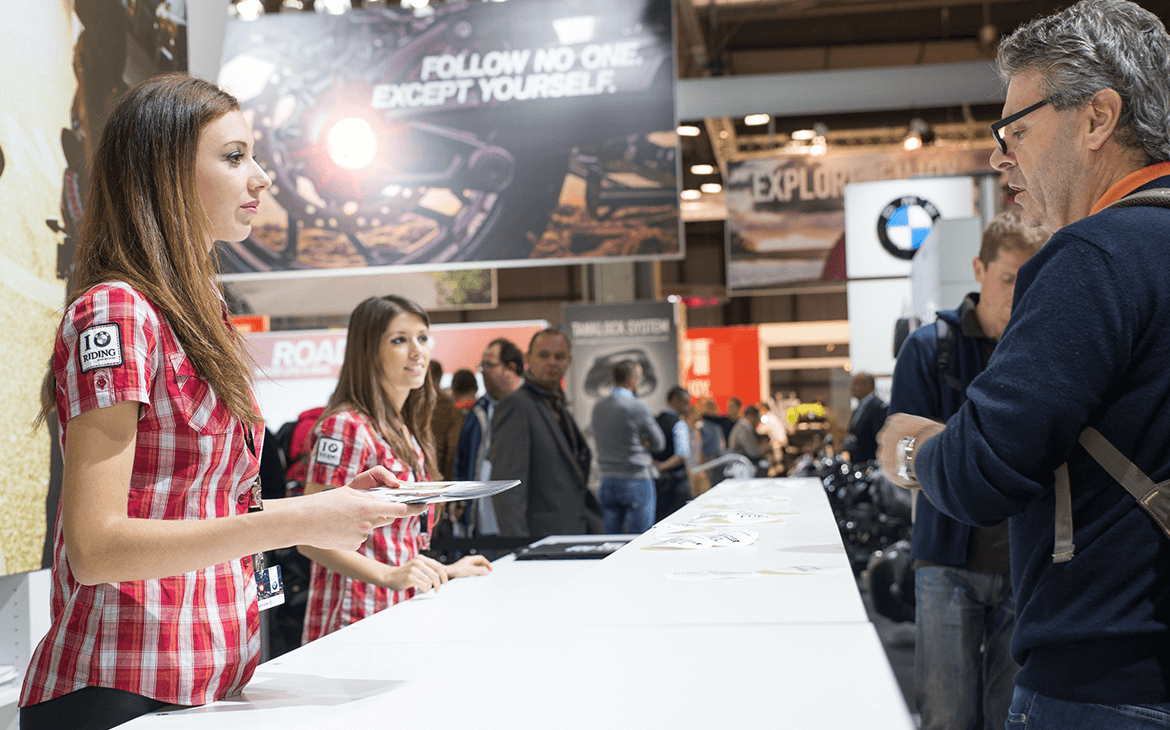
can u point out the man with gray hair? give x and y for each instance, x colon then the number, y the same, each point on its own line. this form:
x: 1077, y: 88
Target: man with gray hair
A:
x: 1061, y: 430
x: 625, y: 432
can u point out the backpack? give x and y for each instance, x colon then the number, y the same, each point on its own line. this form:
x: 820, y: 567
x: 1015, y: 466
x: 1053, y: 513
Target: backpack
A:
x: 944, y: 333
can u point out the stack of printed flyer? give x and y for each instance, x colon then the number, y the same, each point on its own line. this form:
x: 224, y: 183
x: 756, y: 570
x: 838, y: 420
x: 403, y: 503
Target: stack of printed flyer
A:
x: 428, y: 492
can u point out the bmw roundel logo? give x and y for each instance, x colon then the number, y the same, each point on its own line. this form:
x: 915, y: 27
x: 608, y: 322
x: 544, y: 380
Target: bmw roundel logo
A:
x: 101, y: 339
x: 905, y: 223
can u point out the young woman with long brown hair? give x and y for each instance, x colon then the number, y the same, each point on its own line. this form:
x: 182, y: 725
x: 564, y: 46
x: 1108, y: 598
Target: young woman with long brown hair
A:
x: 153, y: 602
x: 380, y: 413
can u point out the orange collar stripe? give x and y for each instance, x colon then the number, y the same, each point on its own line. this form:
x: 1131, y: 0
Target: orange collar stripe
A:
x: 1131, y: 182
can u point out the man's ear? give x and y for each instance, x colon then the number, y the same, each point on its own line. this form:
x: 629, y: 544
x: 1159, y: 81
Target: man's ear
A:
x: 1104, y: 112
x: 979, y: 269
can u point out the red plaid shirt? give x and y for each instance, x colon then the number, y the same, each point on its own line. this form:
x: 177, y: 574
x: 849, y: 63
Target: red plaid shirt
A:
x: 344, y: 445
x: 192, y: 638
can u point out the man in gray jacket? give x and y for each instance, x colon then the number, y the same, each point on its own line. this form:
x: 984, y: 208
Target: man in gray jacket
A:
x: 536, y: 440
x: 623, y: 428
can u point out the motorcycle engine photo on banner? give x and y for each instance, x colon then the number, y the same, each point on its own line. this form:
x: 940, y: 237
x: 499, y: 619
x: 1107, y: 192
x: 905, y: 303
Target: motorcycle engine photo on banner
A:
x: 486, y: 132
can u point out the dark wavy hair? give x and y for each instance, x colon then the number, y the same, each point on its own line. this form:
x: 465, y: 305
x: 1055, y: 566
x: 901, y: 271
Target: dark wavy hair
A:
x: 359, y: 387
x: 144, y: 225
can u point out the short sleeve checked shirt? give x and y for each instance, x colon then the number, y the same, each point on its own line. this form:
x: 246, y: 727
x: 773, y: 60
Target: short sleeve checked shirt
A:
x: 344, y: 445
x: 188, y: 639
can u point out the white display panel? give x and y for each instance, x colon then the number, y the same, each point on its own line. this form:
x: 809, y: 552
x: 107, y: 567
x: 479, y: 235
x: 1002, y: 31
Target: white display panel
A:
x: 886, y: 221
x: 874, y: 308
x: 941, y: 272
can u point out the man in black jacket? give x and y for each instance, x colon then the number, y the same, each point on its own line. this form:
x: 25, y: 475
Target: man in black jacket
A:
x: 867, y: 420
x: 673, y: 485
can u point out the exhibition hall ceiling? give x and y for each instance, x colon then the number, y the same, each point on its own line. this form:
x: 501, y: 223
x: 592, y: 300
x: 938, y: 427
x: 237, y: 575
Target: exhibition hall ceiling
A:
x: 741, y: 38
x: 753, y: 36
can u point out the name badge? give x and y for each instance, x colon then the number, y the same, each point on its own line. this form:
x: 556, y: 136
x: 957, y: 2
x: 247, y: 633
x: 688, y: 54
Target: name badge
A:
x: 269, y: 588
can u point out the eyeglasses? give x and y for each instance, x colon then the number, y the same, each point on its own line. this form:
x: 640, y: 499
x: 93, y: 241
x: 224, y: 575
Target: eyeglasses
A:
x: 488, y: 365
x: 997, y: 127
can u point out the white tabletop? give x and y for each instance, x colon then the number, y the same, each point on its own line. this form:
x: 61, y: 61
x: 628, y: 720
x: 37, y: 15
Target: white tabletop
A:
x: 624, y: 642
x: 811, y: 676
x: 647, y: 586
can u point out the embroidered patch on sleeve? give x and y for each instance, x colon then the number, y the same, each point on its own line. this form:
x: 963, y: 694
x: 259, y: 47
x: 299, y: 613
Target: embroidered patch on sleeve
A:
x: 329, y: 451
x: 100, y: 346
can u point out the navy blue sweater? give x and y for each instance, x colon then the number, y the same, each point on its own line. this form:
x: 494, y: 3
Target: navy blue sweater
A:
x: 1088, y: 345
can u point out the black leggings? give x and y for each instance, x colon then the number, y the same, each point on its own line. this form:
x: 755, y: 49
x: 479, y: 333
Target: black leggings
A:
x: 89, y: 708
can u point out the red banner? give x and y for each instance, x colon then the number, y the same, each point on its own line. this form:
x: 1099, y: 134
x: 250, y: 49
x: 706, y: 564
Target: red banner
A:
x: 719, y: 362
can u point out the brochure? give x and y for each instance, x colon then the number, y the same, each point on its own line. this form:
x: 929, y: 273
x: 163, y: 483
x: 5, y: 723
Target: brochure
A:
x: 429, y: 492
x: 737, y: 517
x: 698, y: 542
x: 576, y: 550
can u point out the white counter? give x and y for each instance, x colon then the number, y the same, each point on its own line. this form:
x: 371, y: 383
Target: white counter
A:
x: 617, y: 643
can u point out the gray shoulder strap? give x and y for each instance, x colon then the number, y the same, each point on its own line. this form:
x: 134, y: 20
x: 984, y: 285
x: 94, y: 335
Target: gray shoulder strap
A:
x: 1153, y: 498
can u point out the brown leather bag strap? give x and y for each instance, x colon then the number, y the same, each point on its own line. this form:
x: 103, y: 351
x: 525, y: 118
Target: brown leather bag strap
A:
x: 1153, y: 498
x: 1155, y: 197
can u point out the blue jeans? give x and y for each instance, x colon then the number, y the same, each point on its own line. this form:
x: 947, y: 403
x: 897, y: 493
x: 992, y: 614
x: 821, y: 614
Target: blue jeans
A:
x: 1037, y: 712
x: 627, y: 505
x: 963, y: 627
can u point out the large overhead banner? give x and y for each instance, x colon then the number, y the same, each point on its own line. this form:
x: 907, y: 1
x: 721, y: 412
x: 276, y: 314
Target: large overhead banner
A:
x: 487, y: 134
x: 786, y: 215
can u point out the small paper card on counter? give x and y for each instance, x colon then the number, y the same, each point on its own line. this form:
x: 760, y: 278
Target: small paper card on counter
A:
x: 699, y: 542
x: 429, y: 492
x: 683, y: 542
x: 667, y: 529
x: 736, y: 516
x: 804, y: 570
x: 733, y: 539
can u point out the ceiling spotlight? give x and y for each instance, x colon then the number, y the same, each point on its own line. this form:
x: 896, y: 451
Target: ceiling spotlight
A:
x: 920, y: 134
x: 687, y: 130
x: 711, y: 188
x: 755, y: 120
x: 702, y: 169
x: 249, y: 9
x: 690, y: 195
x: 803, y: 134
